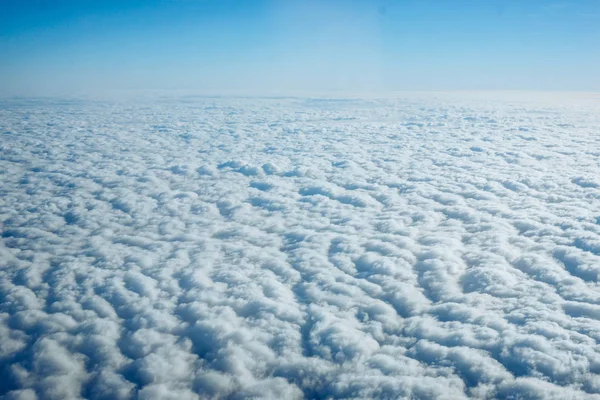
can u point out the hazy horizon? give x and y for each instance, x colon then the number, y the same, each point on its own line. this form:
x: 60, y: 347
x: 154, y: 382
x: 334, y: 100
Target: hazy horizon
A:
x: 68, y: 48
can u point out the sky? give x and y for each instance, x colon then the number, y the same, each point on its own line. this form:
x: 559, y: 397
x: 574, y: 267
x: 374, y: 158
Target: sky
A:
x: 89, y: 47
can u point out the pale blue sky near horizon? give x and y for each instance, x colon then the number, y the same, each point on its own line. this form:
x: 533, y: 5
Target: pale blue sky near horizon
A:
x: 64, y: 47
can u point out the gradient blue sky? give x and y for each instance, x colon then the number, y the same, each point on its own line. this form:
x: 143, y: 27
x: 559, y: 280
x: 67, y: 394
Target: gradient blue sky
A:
x: 50, y: 47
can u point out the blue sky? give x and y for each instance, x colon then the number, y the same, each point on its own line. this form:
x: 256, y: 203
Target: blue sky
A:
x: 50, y: 47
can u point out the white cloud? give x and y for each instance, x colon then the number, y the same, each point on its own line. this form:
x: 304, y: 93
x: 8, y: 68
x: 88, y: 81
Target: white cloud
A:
x: 419, y: 247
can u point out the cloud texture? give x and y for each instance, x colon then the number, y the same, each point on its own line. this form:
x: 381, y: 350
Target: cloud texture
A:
x: 419, y: 247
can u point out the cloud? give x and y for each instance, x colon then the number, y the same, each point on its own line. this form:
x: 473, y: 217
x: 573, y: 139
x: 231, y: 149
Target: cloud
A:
x: 426, y: 246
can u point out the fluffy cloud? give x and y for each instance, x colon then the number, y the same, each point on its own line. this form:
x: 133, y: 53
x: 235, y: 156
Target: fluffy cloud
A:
x: 432, y: 246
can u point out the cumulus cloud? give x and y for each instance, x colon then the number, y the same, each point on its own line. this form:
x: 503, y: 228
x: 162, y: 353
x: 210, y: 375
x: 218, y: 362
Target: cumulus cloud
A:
x: 420, y: 247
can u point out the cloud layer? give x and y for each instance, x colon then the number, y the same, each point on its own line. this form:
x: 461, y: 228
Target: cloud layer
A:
x: 418, y: 247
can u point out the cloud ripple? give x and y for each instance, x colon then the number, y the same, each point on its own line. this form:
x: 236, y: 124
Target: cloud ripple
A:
x: 420, y: 247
